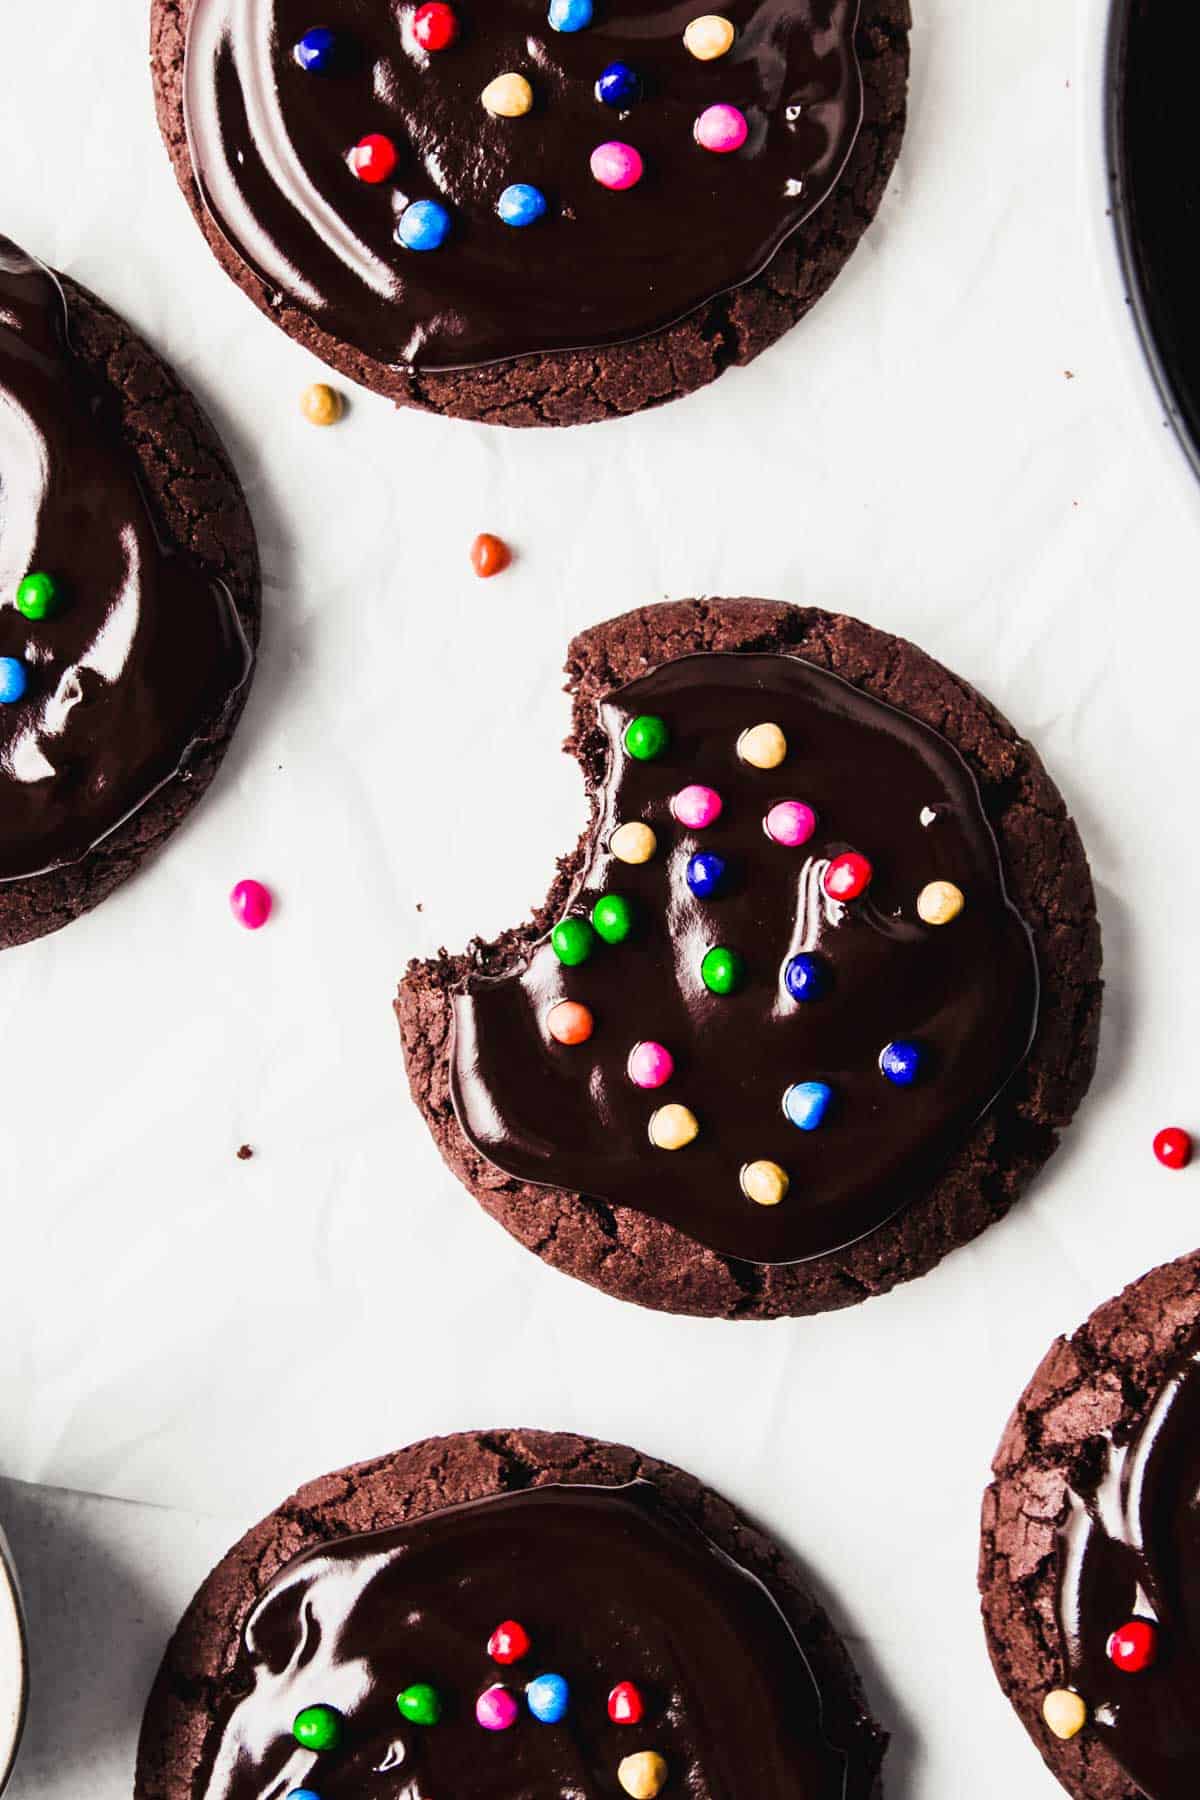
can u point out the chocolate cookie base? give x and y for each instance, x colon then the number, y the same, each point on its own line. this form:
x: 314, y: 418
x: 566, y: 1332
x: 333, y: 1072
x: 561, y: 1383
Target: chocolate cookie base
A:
x: 194, y: 1681
x: 198, y: 505
x: 638, y: 1258
x: 1103, y: 1379
x: 579, y: 387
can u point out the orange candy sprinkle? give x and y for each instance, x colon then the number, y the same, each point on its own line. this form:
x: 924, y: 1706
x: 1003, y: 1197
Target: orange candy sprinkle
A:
x: 489, y: 555
x: 570, y: 1023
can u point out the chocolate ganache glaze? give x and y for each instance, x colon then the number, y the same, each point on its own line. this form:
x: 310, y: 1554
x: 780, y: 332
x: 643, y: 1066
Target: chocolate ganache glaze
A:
x: 1131, y: 1550
x: 611, y: 1584
x: 963, y: 993
x: 270, y: 143
x: 142, y: 651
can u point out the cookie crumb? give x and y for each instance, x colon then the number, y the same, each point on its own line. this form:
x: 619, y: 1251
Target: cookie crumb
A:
x: 244, y: 1153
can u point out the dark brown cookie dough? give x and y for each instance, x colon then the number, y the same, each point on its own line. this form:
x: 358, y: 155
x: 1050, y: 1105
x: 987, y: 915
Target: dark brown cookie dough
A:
x: 1101, y: 1381
x: 198, y: 505
x: 196, y: 1679
x: 577, y: 387
x: 639, y: 1258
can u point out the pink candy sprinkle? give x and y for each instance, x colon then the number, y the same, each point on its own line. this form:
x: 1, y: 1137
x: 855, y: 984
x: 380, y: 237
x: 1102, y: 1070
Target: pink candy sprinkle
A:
x: 790, y: 823
x: 496, y: 1709
x: 650, y: 1065
x: 617, y: 165
x: 251, y: 904
x: 721, y: 129
x: 696, y: 806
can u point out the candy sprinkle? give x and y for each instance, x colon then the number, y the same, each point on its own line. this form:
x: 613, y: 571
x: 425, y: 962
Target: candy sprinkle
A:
x: 521, y: 204
x: 619, y: 86
x: 646, y: 737
x: 612, y: 918
x: 806, y: 1103
x: 435, y: 26
x: 251, y: 903
x: 625, y: 1704
x: 573, y: 941
x: 721, y: 129
x: 321, y: 404
x: 373, y: 158
x: 939, y: 902
x: 490, y: 555
x: 790, y: 823
x: 570, y: 1023
x: 722, y: 971
x: 570, y: 15
x: 900, y: 1063
x: 420, y: 1704
x: 424, y: 225
x: 37, y: 596
x: 673, y: 1127
x: 650, y: 1065
x: 762, y: 746
x: 706, y: 874
x: 316, y: 51
x: 708, y: 37
x: 13, y: 680
x: 1133, y: 1647
x: 848, y: 876
x: 1064, y: 1713
x: 496, y: 1708
x: 508, y: 96
x: 318, y: 1728
x: 547, y: 1698
x: 509, y: 1642
x: 697, y: 806
x: 617, y: 166
x: 633, y: 842
x: 1173, y: 1147
x: 806, y: 978
x: 765, y: 1183
x: 643, y: 1775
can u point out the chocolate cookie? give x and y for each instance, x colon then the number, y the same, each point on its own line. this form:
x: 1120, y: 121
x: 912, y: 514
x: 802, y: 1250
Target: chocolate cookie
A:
x: 361, y: 1640
x: 1090, y: 1560
x: 813, y: 996
x: 129, y: 585
x: 532, y: 213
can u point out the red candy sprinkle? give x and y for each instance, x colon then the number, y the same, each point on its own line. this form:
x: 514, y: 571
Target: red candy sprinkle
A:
x: 1173, y: 1147
x: 625, y: 1704
x: 251, y: 904
x: 489, y: 555
x: 373, y: 158
x: 509, y: 1642
x: 435, y: 26
x: 848, y: 876
x: 1134, y: 1647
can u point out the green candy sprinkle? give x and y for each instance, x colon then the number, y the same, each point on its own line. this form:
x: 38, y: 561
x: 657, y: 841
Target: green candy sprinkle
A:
x: 318, y: 1728
x: 573, y: 941
x: 722, y: 971
x: 37, y: 596
x: 612, y: 918
x: 646, y: 737
x: 420, y: 1704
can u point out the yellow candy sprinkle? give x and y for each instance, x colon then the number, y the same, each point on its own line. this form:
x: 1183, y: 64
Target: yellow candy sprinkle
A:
x: 763, y: 746
x: 508, y: 97
x: 643, y: 1775
x: 321, y: 404
x: 709, y: 37
x: 1065, y: 1713
x: 940, y: 902
x: 672, y: 1128
x: 633, y: 843
x: 765, y: 1183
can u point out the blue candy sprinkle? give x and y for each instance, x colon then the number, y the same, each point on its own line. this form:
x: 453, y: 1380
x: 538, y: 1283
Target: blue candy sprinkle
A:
x: 521, y: 204
x: 303, y: 1794
x: 425, y: 225
x: 706, y: 875
x: 316, y: 50
x: 806, y: 978
x: 13, y: 680
x: 570, y: 15
x: 806, y: 1103
x: 547, y: 1696
x: 900, y: 1062
x: 619, y: 86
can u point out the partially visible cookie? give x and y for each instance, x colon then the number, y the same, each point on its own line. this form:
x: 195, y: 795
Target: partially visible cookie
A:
x: 1090, y: 1558
x: 129, y: 601
x: 507, y: 1612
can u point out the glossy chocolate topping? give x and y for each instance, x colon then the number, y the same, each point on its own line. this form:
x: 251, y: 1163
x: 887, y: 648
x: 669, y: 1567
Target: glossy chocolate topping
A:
x: 270, y: 142
x: 143, y: 652
x: 1131, y: 1549
x: 880, y: 784
x: 611, y: 1584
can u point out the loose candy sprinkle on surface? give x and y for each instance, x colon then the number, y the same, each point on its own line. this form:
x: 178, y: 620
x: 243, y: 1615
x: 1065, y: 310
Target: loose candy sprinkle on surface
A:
x: 612, y: 918
x: 762, y: 746
x: 37, y: 596
x: 490, y: 555
x: 721, y: 129
x: 420, y: 1704
x: 697, y: 806
x: 570, y: 1023
x: 318, y: 1728
x: 625, y: 1704
x: 708, y: 37
x: 765, y: 1183
x: 790, y: 823
x: 496, y: 1708
x: 900, y: 1062
x: 548, y: 1697
x: 673, y: 1127
x: 573, y: 941
x: 643, y: 1775
x: 806, y: 1104
x: 250, y: 903
x: 646, y: 737
x: 939, y: 902
x: 521, y: 204
x: 435, y: 26
x: 722, y: 970
x: 570, y: 15
x: 373, y: 159
x: 650, y: 1065
x: 619, y: 86
x: 509, y: 1642
x: 617, y: 166
x: 424, y: 225
x: 13, y: 680
x: 706, y: 874
x: 316, y: 50
x: 1064, y: 1713
x: 806, y: 977
x: 1173, y: 1147
x: 508, y: 96
x: 321, y: 404
x: 1133, y: 1647
x: 848, y: 876
x: 633, y: 843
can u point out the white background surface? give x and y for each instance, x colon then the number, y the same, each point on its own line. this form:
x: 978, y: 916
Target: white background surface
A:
x: 197, y: 1334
